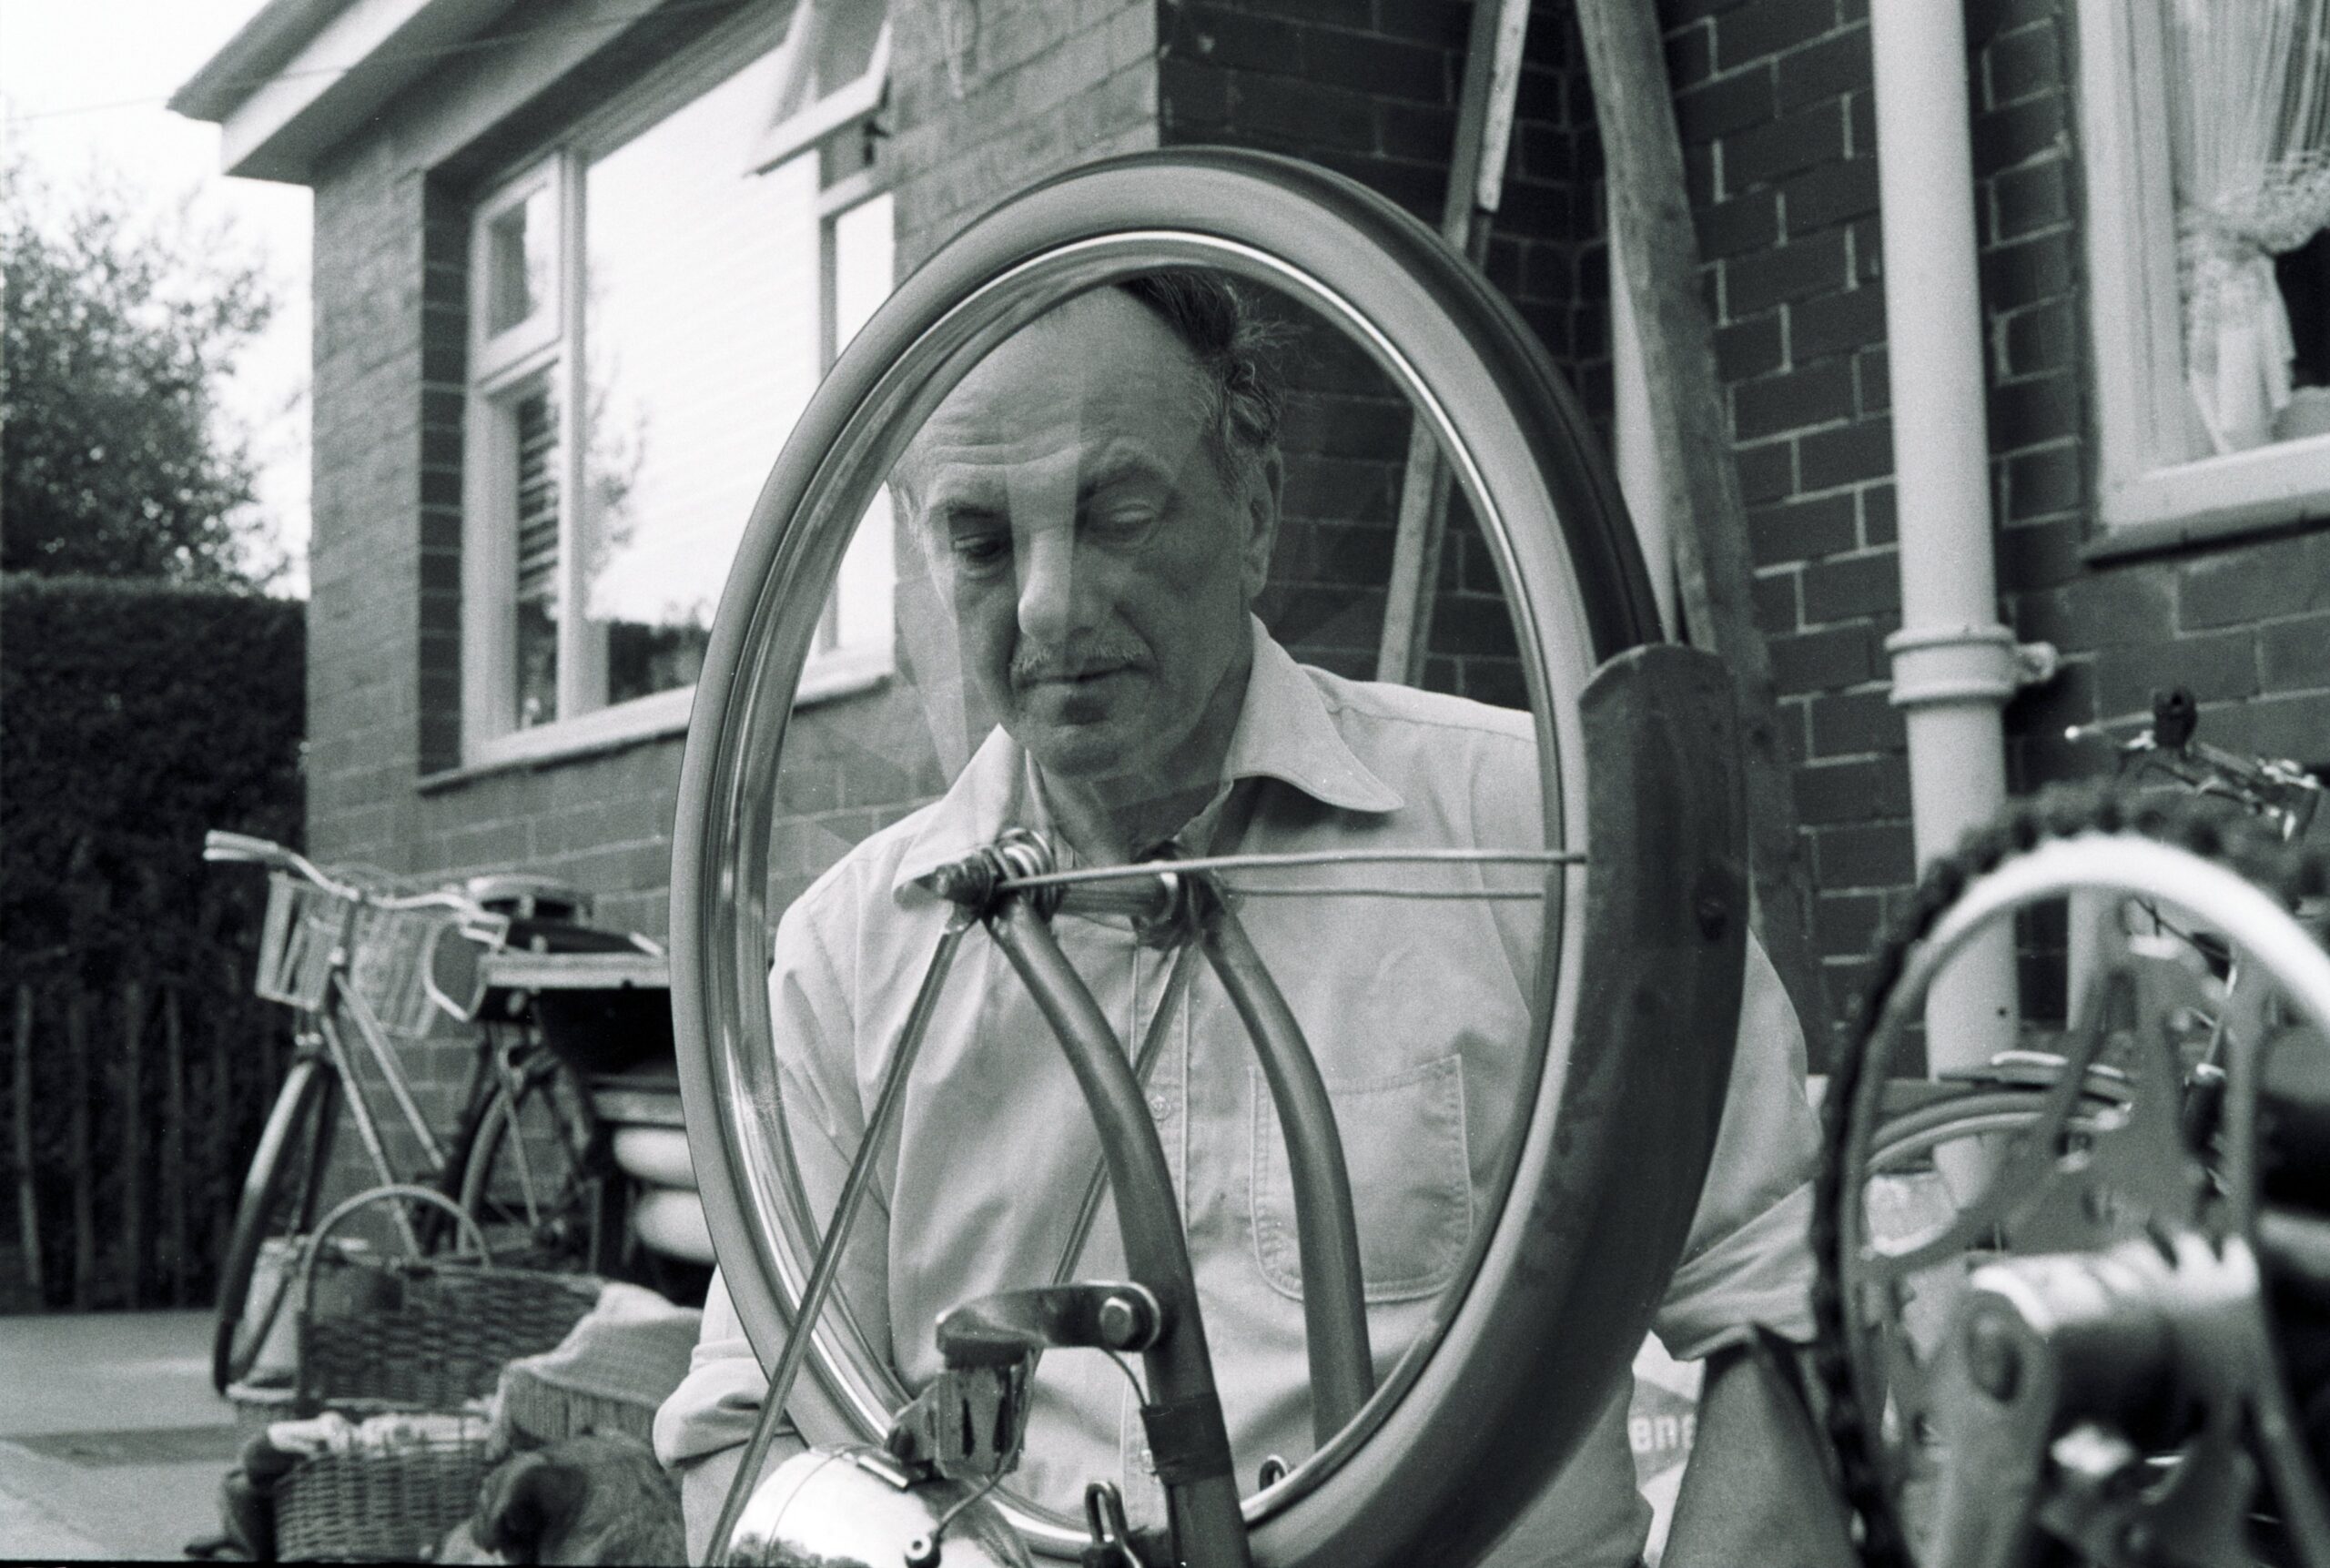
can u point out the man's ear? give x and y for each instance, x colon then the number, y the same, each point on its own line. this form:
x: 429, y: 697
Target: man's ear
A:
x: 1265, y: 481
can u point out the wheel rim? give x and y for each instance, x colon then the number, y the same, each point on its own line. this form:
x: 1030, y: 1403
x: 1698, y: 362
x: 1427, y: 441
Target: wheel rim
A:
x: 299, y: 1166
x: 1515, y: 471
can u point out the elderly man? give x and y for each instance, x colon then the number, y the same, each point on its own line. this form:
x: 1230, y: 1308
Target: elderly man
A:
x: 1098, y: 502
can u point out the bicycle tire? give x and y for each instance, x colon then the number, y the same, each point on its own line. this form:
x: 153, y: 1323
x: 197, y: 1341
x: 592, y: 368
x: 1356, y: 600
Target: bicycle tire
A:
x: 2042, y: 850
x: 279, y: 1197
x: 532, y: 1174
x: 1580, y: 597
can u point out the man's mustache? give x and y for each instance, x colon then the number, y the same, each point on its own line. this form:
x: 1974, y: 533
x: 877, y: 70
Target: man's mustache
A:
x: 1030, y: 665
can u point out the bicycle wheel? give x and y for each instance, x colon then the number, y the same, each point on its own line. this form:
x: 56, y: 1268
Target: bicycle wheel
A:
x: 1553, y: 1287
x: 2137, y: 1187
x: 280, y: 1201
x: 532, y: 1176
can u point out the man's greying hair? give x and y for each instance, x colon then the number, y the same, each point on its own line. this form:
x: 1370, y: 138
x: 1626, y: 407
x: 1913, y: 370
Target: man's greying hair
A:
x: 1233, y: 347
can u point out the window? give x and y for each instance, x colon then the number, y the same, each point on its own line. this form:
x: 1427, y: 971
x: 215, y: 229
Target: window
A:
x: 2207, y: 134
x: 650, y: 308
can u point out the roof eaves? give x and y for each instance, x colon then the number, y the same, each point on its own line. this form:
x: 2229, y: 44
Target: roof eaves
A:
x: 247, y: 61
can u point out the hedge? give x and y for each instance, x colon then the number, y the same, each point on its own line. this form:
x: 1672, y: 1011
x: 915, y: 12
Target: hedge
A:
x: 135, y: 715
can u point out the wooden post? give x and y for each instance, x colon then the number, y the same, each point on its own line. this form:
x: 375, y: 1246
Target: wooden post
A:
x: 220, y: 1186
x: 132, y: 1122
x: 1650, y: 219
x: 1476, y: 178
x: 21, y: 1107
x: 85, y: 1198
x: 176, y: 1176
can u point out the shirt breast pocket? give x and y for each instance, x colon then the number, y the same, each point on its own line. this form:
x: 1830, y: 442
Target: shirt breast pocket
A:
x: 1411, y: 1178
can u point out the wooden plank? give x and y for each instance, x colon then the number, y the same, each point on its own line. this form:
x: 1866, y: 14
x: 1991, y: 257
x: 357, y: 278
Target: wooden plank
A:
x: 629, y: 1106
x: 1650, y: 220
x: 578, y: 971
x: 83, y: 1179
x: 132, y: 1122
x: 1475, y: 184
x: 21, y: 1105
x: 176, y: 1176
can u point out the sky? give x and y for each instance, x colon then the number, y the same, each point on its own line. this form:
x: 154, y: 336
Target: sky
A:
x: 83, y: 84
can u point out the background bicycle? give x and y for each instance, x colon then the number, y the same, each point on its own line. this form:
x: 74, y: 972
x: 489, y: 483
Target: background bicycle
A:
x: 370, y: 971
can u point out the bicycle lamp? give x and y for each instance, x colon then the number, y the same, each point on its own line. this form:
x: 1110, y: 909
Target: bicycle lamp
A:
x: 859, y: 1508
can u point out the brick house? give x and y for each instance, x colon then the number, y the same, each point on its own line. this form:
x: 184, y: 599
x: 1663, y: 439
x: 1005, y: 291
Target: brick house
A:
x: 446, y: 155
x: 459, y: 723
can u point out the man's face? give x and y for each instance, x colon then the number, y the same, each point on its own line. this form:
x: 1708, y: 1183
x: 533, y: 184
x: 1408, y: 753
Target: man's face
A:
x: 1099, y: 565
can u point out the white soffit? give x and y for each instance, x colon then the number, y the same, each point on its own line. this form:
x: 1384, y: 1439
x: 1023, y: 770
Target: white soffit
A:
x: 303, y: 74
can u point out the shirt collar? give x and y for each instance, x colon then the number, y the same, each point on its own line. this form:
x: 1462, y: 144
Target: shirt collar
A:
x: 1285, y: 732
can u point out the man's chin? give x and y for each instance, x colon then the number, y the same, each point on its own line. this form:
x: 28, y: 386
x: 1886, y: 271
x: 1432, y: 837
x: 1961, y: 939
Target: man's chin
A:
x: 1076, y: 752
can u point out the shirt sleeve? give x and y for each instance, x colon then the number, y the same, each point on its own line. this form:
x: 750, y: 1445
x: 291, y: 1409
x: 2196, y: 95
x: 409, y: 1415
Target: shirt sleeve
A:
x: 717, y: 1403
x: 1748, y: 1259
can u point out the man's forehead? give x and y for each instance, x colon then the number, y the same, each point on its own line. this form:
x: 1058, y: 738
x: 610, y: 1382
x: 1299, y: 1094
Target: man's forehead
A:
x: 984, y: 476
x: 1099, y: 384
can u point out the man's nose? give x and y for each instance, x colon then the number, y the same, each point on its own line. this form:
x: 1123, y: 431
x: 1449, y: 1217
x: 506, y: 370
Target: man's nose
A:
x: 1056, y: 594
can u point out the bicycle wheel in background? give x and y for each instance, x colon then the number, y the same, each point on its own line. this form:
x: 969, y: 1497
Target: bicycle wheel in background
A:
x: 279, y: 1202
x: 532, y: 1175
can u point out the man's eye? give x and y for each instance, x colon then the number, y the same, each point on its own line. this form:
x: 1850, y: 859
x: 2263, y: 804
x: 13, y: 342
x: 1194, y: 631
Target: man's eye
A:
x: 1120, y: 525
x: 977, y: 551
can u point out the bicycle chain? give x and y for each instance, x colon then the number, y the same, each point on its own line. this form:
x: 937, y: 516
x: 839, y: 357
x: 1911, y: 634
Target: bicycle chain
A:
x: 2287, y: 872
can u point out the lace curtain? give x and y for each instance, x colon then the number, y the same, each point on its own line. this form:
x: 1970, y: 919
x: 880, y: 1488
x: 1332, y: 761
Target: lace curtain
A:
x: 2249, y: 90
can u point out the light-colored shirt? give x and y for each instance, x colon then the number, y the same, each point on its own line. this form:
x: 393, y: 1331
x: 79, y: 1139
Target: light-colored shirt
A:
x: 1415, y: 1009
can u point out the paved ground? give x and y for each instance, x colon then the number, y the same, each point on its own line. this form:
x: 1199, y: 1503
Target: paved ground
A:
x: 111, y: 1441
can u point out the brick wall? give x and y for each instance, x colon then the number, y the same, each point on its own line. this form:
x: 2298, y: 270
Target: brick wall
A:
x: 1774, y: 101
x: 988, y: 100
x: 1773, y: 97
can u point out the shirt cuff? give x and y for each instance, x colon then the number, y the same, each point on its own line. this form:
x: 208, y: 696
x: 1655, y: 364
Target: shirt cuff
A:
x: 1759, y: 1273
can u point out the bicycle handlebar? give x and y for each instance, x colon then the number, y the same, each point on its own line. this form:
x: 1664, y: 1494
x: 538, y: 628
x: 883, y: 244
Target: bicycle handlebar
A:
x: 2265, y: 786
x: 243, y: 849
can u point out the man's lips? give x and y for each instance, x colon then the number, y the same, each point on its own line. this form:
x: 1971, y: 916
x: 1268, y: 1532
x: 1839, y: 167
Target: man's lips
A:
x: 1085, y: 676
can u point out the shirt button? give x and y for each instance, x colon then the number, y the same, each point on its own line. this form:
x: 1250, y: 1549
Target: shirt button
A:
x: 1160, y: 1106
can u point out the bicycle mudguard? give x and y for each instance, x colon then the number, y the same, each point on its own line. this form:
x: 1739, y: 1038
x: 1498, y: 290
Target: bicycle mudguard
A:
x: 1609, y: 1180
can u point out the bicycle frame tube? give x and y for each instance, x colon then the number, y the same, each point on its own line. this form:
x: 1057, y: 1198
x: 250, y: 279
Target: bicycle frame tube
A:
x: 1201, y: 1493
x: 375, y: 1041
x: 359, y: 1106
x: 1334, y: 1300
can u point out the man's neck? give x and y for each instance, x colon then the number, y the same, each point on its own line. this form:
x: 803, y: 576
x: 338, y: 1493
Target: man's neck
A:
x: 1109, y: 834
x: 1112, y: 820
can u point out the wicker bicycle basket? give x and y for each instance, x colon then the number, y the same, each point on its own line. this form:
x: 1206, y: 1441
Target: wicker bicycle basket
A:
x: 388, y: 1504
x: 407, y: 1336
x: 389, y: 951
x: 429, y: 1333
x: 304, y: 927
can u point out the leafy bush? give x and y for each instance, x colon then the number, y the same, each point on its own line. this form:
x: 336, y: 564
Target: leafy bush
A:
x: 137, y: 715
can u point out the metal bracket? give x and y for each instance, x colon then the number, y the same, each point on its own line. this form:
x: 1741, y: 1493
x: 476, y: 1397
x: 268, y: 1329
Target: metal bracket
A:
x: 1012, y: 1325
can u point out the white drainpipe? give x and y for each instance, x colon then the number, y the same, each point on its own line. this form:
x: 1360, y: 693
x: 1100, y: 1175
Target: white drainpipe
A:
x: 1954, y: 666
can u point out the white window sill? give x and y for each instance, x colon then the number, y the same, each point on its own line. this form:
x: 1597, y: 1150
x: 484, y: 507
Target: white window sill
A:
x: 844, y: 673
x: 2268, y: 489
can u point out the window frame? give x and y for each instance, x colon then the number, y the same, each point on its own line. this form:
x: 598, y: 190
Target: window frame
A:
x: 503, y: 366
x: 2149, y: 494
